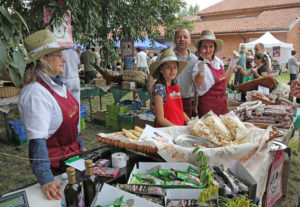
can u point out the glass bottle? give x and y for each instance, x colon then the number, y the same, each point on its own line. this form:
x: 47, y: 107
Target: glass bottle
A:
x: 72, y: 189
x: 63, y: 183
x: 90, y: 184
x: 291, y: 98
x: 277, y: 100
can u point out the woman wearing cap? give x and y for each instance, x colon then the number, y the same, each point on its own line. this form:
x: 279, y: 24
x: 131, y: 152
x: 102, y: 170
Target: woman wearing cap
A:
x: 48, y: 110
x: 260, y: 67
x: 209, y: 75
x: 165, y: 93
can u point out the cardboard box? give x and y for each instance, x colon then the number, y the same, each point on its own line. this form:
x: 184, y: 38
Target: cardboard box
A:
x: 128, y: 85
x: 142, y: 123
x: 109, y: 194
x: 99, y: 82
x: 286, y: 170
x: 241, y: 173
x: 99, y: 117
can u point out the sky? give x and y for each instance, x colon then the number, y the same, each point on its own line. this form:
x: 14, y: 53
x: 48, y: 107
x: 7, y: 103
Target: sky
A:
x: 201, y: 3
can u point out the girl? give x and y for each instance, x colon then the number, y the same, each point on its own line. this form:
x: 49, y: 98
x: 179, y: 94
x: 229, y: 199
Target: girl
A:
x: 166, y: 94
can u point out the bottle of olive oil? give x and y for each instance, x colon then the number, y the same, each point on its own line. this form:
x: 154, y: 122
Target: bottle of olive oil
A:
x: 277, y: 100
x: 90, y: 184
x: 72, y: 189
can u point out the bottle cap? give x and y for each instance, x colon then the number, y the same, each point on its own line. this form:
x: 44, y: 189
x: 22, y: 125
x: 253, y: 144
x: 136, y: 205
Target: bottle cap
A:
x: 70, y: 170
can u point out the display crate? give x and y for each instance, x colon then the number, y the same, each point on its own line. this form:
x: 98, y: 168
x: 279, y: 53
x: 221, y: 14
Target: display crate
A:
x: 126, y: 118
x: 114, y: 109
x: 111, y: 121
x: 136, y: 105
x: 17, y: 130
x: 82, y: 124
x: 126, y: 125
x: 83, y: 111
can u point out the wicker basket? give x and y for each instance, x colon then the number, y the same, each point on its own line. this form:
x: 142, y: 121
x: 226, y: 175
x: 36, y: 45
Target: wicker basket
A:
x: 268, y: 82
x: 264, y: 101
x: 9, y: 91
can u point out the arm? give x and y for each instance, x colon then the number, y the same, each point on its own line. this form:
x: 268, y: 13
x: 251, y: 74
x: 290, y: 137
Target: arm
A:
x: 186, y: 118
x: 41, y: 168
x: 243, y: 71
x: 149, y: 89
x: 202, y: 67
x: 234, y: 59
x: 195, y: 104
x: 259, y: 76
x: 159, y: 112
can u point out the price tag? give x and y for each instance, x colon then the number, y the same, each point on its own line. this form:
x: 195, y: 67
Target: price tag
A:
x: 263, y: 89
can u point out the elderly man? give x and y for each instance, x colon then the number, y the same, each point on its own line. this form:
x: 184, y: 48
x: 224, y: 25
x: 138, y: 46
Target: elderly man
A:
x: 182, y: 40
x: 293, y: 67
x: 238, y: 79
x: 260, y: 48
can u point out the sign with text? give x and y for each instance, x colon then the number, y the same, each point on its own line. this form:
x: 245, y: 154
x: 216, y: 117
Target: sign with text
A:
x: 127, y: 48
x: 63, y: 32
x: 276, y: 51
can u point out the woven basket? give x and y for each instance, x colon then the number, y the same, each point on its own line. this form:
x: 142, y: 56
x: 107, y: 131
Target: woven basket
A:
x: 136, y: 76
x: 9, y: 91
x: 264, y: 101
x: 268, y: 82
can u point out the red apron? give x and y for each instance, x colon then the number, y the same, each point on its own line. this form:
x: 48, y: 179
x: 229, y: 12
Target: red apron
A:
x: 215, y: 98
x: 64, y: 143
x: 173, y: 108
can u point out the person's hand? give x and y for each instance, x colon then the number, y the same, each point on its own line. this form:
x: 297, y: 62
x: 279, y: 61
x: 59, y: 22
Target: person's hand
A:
x: 234, y: 59
x: 51, y: 190
x: 202, y: 67
x: 295, y: 88
x: 152, y: 108
x: 195, y: 110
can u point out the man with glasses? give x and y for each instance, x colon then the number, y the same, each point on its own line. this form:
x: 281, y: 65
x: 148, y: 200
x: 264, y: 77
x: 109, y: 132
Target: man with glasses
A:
x: 260, y: 48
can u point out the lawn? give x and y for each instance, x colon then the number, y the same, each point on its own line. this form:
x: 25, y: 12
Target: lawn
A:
x: 15, y: 169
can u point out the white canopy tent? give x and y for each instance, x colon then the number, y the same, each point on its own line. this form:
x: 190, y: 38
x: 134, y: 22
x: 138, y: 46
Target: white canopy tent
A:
x: 270, y: 42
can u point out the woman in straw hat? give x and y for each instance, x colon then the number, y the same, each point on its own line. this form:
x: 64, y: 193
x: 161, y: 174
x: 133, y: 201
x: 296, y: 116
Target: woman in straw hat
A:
x: 165, y: 93
x: 49, y: 112
x: 209, y: 75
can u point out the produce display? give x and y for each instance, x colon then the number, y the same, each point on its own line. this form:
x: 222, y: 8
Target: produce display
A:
x: 118, y: 202
x: 280, y: 116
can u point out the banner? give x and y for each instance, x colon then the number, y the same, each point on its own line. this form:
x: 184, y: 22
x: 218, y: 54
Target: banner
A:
x: 276, y: 51
x: 127, y: 48
x: 62, y: 33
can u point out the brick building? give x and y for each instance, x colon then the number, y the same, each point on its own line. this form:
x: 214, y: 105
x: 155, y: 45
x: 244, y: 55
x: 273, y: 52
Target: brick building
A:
x: 241, y: 21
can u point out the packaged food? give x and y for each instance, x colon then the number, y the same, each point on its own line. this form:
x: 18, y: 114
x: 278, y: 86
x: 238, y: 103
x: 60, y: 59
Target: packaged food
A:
x: 106, y: 171
x: 103, y: 163
x: 217, y: 127
x: 142, y: 189
x: 237, y: 128
x: 199, y: 129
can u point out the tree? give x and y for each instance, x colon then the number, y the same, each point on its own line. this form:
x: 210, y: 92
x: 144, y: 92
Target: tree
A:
x: 189, y: 11
x: 106, y: 21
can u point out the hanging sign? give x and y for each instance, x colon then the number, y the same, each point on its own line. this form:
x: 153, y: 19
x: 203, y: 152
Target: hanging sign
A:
x: 276, y: 51
x: 127, y: 48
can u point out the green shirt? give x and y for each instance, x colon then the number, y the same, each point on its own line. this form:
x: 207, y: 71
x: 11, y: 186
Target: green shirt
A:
x: 88, y: 58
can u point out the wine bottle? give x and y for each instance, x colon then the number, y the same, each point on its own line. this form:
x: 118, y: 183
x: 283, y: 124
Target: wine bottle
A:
x: 72, y: 189
x: 90, y: 184
x: 277, y: 100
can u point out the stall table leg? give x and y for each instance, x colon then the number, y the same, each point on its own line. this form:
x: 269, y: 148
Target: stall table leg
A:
x: 100, y: 103
x: 91, y: 109
x: 6, y: 127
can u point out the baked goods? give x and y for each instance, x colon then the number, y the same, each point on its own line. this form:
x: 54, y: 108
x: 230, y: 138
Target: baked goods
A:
x: 199, y: 129
x: 237, y: 128
x: 136, y: 133
x: 139, y: 129
x: 130, y: 135
x: 217, y: 127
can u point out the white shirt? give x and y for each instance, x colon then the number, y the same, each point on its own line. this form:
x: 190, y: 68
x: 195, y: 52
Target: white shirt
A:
x: 41, y: 115
x: 141, y: 59
x: 184, y: 79
x: 209, y: 79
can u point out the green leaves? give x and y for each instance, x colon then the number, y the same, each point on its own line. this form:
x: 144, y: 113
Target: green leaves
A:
x: 3, y: 53
x: 19, y: 62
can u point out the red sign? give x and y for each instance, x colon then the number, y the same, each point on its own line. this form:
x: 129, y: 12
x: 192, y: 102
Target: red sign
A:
x: 127, y: 48
x: 63, y: 32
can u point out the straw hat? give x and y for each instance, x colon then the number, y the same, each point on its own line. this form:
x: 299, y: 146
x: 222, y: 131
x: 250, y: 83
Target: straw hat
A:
x: 167, y: 56
x: 41, y: 43
x: 209, y: 35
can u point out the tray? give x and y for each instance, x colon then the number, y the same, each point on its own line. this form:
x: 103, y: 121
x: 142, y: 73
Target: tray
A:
x: 268, y: 82
x: 129, y: 145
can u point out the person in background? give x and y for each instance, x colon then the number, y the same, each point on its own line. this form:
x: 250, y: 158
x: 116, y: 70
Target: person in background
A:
x: 98, y: 60
x: 260, y: 68
x: 182, y: 40
x: 166, y: 96
x: 141, y: 60
x: 293, y: 67
x: 238, y: 79
x: 49, y: 112
x: 249, y: 66
x: 154, y: 58
x: 78, y: 50
x: 127, y: 63
x: 209, y: 75
x: 260, y: 48
x: 88, y: 58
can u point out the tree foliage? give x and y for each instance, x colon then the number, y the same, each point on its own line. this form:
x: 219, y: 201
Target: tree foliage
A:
x: 191, y: 10
x: 103, y: 22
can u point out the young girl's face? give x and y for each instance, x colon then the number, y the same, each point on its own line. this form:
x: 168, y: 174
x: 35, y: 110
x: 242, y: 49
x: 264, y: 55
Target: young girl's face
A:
x: 169, y: 70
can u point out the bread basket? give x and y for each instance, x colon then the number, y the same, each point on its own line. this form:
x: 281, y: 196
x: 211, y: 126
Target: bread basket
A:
x: 264, y: 101
x: 9, y: 91
x: 268, y: 82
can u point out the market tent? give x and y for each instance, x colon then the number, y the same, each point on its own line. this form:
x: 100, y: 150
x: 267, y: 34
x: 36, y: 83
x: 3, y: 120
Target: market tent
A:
x: 147, y: 43
x: 269, y: 42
